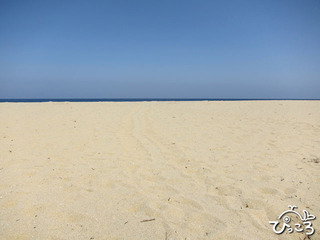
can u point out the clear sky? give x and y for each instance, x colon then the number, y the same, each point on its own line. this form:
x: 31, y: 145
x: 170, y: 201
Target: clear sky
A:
x: 160, y: 49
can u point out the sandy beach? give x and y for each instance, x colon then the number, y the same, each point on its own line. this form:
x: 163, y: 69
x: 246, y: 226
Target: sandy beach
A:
x: 157, y: 170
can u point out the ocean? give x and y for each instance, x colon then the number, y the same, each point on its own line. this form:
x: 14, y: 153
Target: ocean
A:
x: 137, y: 99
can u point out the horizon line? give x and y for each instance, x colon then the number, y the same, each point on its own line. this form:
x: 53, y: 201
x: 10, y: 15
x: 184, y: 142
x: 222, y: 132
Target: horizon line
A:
x: 147, y: 99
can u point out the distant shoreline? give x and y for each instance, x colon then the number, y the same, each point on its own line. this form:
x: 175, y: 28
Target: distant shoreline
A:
x: 148, y: 99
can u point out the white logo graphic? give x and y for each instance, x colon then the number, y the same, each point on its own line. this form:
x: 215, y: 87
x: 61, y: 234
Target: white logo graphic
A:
x: 303, y: 223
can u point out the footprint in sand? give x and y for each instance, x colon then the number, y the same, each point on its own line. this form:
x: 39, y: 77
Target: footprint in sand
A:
x: 269, y: 190
x: 290, y: 190
x: 190, y: 202
x: 228, y: 190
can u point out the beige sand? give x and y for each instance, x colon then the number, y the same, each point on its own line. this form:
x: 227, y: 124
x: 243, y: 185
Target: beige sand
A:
x: 201, y: 170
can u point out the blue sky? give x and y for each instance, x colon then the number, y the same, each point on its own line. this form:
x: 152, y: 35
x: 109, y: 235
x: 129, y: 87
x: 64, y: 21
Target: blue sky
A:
x: 160, y: 49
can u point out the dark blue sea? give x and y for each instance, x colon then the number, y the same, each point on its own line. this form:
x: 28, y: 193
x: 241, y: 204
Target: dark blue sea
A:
x: 136, y: 99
